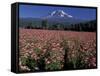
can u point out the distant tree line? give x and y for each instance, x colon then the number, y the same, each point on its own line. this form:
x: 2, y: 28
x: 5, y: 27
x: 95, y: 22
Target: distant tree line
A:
x: 89, y: 26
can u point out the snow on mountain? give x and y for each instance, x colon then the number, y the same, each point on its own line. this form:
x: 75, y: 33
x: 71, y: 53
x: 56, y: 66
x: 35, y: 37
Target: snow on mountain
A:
x: 59, y: 16
x: 59, y: 13
x: 55, y: 17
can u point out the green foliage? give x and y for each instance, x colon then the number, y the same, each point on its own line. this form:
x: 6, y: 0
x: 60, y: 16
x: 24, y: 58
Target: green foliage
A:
x: 44, y: 24
x: 23, y: 60
x: 31, y: 63
x: 37, y: 51
x: 53, y: 66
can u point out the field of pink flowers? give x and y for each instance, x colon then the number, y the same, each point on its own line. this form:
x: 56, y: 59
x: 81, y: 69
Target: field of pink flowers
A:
x: 45, y: 50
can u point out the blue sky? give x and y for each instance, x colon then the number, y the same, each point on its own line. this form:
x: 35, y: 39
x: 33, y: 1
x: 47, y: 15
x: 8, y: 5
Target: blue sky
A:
x: 35, y: 11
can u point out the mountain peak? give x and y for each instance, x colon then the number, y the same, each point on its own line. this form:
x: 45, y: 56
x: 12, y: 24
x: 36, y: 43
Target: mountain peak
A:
x: 60, y: 13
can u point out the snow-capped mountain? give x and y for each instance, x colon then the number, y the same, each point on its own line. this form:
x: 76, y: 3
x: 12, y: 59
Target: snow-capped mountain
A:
x: 60, y: 13
x: 59, y: 16
x: 55, y: 17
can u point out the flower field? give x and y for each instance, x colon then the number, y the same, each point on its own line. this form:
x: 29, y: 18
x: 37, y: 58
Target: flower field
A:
x: 47, y: 50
